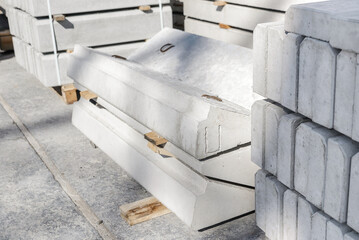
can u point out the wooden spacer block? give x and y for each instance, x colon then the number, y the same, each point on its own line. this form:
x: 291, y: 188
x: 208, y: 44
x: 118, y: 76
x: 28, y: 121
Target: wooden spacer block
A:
x: 143, y: 210
x: 219, y: 3
x: 88, y: 95
x: 145, y: 8
x: 59, y: 17
x: 161, y: 151
x: 154, y: 138
x: 224, y: 26
x: 69, y: 50
x: 68, y: 93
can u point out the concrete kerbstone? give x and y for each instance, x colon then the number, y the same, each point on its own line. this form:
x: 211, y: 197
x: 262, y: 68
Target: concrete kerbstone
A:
x: 290, y: 215
x: 319, y: 226
x: 261, y: 198
x: 353, y: 204
x: 305, y: 213
x: 336, y: 231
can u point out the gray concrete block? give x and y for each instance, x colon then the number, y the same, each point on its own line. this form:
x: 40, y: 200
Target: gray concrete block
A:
x: 290, y: 215
x: 318, y: 149
x: 355, y: 126
x: 336, y: 231
x: 319, y: 226
x: 305, y: 213
x: 211, y: 30
x: 286, y: 148
x: 261, y: 198
x: 353, y: 204
x: 239, y: 16
x: 273, y: 115
x: 340, y: 151
x: 258, y: 120
x: 290, y: 71
x: 302, y: 156
x: 274, y: 208
x: 317, y: 69
x: 344, y: 92
x: 351, y: 236
x: 276, y: 35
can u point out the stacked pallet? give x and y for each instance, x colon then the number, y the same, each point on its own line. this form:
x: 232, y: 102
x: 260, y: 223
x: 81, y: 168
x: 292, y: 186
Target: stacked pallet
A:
x: 5, y: 36
x: 233, y: 21
x: 304, y: 137
x: 176, y: 116
x: 117, y: 27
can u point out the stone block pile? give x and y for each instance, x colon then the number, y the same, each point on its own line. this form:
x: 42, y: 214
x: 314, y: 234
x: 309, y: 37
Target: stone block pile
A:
x: 304, y: 135
x: 233, y: 21
x: 117, y: 27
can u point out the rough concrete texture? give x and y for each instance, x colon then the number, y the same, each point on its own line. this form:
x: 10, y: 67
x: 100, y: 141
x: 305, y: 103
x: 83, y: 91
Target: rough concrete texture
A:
x: 243, y: 17
x: 100, y: 181
x: 286, y: 148
x: 317, y: 67
x: 336, y: 231
x: 79, y: 29
x: 302, y: 156
x: 290, y: 71
x: 273, y: 115
x: 39, y: 8
x: 261, y: 198
x: 340, y: 151
x: 276, y: 35
x: 319, y: 226
x: 353, y: 205
x: 211, y: 30
x: 258, y: 131
x: 274, y: 208
x: 305, y: 213
x: 290, y: 215
x: 351, y: 236
x: 318, y: 148
x: 344, y: 92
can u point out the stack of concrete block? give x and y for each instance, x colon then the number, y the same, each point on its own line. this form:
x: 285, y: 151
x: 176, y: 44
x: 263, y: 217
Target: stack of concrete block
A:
x: 5, y: 36
x: 303, y: 135
x: 99, y: 24
x: 233, y: 21
x: 192, y: 93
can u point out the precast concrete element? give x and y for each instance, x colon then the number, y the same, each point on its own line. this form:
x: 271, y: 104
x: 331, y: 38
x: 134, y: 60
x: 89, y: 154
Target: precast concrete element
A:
x: 38, y: 8
x: 353, y: 204
x: 198, y: 119
x: 340, y: 151
x: 211, y: 30
x: 345, y: 92
x: 302, y: 156
x: 318, y: 148
x: 258, y: 123
x: 231, y: 166
x: 243, y: 17
x: 196, y: 200
x: 290, y: 215
x: 261, y: 198
x: 260, y: 57
x: 319, y: 226
x: 273, y: 115
x: 355, y: 126
x: 43, y: 67
x: 286, y: 147
x: 290, y: 71
x: 274, y: 208
x: 336, y: 231
x: 317, y: 68
x: 351, y: 236
x: 305, y: 213
x: 94, y: 29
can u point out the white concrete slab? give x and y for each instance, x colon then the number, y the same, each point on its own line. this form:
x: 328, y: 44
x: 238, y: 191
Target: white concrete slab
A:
x: 261, y: 198
x: 290, y: 215
x: 212, y: 30
x: 317, y: 70
x: 305, y: 213
x: 344, y: 92
x: 340, y: 151
x: 290, y: 71
x: 286, y: 147
x: 336, y: 231
x: 353, y: 204
x: 319, y: 226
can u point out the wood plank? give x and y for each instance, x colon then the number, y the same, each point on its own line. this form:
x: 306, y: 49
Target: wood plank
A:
x: 219, y: 3
x: 88, y: 95
x: 59, y: 18
x: 145, y: 8
x: 154, y: 138
x: 69, y: 94
x: 143, y: 210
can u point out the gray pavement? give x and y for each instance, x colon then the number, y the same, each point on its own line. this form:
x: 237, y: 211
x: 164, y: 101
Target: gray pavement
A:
x: 34, y: 206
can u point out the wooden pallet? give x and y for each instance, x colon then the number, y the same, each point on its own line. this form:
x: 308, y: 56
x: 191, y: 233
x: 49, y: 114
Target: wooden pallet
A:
x: 143, y: 210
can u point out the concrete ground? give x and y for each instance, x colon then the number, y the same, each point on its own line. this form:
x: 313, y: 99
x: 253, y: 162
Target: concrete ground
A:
x: 33, y: 205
